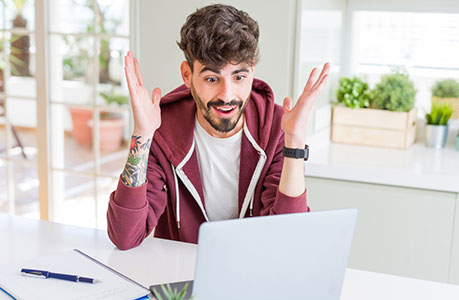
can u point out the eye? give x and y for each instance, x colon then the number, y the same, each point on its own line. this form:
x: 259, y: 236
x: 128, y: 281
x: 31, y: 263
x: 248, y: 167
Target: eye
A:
x: 211, y: 79
x: 239, y: 77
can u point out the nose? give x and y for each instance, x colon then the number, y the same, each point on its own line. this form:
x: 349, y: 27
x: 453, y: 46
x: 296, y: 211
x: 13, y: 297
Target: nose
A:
x: 226, y: 91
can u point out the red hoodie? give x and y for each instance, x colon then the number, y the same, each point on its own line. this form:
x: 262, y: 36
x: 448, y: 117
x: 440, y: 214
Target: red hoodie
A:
x: 172, y: 200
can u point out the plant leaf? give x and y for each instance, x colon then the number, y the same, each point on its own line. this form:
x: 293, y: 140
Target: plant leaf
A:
x: 157, y: 294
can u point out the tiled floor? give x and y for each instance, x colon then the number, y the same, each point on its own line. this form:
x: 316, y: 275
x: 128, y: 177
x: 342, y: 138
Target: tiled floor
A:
x: 77, y: 203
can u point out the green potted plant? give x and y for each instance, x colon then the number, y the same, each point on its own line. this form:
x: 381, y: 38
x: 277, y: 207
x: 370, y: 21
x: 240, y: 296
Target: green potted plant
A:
x: 13, y: 70
x: 353, y: 92
x: 75, y: 68
x: 383, y: 117
x: 447, y: 90
x: 20, y: 44
x: 170, y: 294
x: 437, y: 125
x: 75, y: 65
x: 107, y: 23
x: 395, y: 92
x: 111, y: 124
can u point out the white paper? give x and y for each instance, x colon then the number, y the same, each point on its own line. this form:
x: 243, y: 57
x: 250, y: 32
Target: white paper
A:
x: 112, y: 286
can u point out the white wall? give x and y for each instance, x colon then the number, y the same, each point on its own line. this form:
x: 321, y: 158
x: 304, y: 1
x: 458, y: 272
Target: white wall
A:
x: 160, y: 57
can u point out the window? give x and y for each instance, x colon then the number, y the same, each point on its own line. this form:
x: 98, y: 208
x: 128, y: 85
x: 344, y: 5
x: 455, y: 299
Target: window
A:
x: 88, y: 113
x: 426, y: 45
x: 318, y: 41
x: 18, y: 107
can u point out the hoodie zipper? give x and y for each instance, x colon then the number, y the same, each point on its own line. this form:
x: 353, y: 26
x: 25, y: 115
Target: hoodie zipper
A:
x: 180, y: 173
x: 249, y: 196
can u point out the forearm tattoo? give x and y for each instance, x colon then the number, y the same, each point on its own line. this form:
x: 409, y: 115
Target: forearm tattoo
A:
x: 135, y: 171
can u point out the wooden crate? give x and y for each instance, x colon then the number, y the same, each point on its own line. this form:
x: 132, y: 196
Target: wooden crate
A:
x: 373, y: 127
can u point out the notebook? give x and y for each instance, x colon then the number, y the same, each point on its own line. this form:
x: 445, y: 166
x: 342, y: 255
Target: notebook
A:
x: 113, y: 285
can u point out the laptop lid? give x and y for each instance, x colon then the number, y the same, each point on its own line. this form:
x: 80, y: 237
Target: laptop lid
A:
x: 290, y: 256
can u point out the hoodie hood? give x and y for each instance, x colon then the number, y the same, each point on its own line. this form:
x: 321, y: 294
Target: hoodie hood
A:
x: 175, y: 136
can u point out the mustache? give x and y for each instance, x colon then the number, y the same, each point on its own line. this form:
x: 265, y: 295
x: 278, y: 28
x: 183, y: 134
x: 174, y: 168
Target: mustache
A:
x: 220, y: 102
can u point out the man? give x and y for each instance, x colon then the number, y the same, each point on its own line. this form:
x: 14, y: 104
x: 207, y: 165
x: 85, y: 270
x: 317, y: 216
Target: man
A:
x: 212, y: 149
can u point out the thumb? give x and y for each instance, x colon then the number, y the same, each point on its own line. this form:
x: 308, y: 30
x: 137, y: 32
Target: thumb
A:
x: 156, y: 97
x: 287, y: 104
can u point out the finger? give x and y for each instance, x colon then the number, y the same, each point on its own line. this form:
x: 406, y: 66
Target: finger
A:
x: 156, y: 97
x: 314, y: 93
x: 137, y: 72
x: 133, y: 69
x: 287, y: 104
x: 130, y: 77
x: 128, y: 62
x: 310, y: 81
x: 130, y: 81
x: 130, y: 71
x: 325, y: 70
x: 126, y: 66
x: 321, y: 84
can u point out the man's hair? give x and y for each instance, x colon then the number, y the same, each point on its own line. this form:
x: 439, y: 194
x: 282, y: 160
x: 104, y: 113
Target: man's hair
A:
x: 219, y: 34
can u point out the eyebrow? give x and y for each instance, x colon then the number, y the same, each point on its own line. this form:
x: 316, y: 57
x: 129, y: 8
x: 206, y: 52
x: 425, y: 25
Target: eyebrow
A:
x: 217, y: 71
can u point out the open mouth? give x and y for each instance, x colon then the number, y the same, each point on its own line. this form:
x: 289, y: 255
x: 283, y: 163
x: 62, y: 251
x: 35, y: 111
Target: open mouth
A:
x: 225, y: 111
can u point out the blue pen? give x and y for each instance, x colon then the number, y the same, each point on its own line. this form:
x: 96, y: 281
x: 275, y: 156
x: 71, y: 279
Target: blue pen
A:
x: 47, y: 274
x: 8, y: 293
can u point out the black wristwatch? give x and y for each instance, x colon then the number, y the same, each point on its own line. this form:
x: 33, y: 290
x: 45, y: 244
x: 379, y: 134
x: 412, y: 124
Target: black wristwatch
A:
x: 296, y: 153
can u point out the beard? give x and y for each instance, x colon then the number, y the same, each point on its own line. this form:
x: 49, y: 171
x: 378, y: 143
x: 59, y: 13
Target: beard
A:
x: 220, y: 124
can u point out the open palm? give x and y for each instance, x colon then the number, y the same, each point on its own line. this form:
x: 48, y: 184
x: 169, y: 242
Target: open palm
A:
x: 294, y: 120
x: 146, y: 110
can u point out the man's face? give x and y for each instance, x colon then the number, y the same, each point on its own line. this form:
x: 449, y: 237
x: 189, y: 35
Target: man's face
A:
x: 221, y: 96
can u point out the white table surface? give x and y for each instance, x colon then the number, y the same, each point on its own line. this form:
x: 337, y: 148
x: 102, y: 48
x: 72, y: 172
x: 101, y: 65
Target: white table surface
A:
x: 158, y: 261
x: 415, y: 167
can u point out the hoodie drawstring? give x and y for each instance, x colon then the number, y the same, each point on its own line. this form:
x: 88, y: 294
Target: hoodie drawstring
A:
x: 177, y: 197
x: 249, y: 196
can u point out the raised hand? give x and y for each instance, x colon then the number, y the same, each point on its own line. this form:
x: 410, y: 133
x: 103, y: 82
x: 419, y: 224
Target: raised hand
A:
x: 294, y: 120
x: 146, y: 111
x: 147, y: 118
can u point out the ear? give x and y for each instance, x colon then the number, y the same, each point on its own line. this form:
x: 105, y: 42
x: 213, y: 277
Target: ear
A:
x: 186, y: 73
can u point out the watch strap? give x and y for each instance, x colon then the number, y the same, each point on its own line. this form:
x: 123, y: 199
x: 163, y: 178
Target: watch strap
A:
x: 296, y: 152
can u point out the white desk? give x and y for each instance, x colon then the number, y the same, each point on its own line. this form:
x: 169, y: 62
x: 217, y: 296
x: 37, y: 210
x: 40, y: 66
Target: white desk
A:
x: 158, y: 261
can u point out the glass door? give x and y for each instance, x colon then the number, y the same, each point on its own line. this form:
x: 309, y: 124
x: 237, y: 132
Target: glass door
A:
x: 89, y: 111
x: 18, y: 109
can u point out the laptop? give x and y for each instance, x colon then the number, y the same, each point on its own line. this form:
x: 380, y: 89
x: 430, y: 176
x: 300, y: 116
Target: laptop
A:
x: 290, y: 256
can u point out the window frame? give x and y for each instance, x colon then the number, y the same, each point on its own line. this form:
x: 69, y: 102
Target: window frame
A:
x: 44, y: 103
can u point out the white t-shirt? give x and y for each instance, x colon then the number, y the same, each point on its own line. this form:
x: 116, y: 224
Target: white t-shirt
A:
x: 218, y: 160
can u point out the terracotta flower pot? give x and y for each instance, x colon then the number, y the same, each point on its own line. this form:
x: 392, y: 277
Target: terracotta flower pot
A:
x: 81, y: 130
x: 110, y: 134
